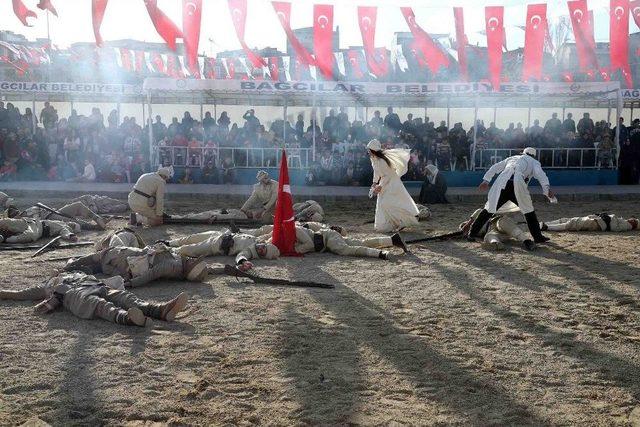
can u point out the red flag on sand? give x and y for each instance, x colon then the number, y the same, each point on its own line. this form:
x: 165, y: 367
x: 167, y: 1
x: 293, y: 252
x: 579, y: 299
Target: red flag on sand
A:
x: 284, y: 230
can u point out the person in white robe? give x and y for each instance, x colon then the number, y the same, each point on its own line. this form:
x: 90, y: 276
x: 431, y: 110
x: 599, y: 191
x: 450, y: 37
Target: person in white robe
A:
x: 511, y: 185
x: 395, y: 209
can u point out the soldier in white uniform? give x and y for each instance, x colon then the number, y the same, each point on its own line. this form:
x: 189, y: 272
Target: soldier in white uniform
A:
x: 90, y: 298
x: 262, y: 202
x: 5, y: 201
x: 595, y: 222
x: 102, y: 204
x: 214, y: 215
x: 500, y: 228
x: 230, y: 244
x: 141, y: 266
x: 512, y: 185
x: 309, y: 210
x: 147, y: 196
x: 76, y: 212
x: 27, y: 230
x: 125, y: 237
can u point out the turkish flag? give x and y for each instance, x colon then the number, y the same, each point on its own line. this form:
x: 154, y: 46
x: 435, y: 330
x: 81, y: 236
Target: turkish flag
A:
x: 174, y: 68
x: 191, y: 20
x: 163, y: 25
x: 567, y: 77
x: 284, y: 222
x: 238, y: 9
x: 605, y: 74
x: 534, y: 38
x: 382, y: 61
x: 46, y: 5
x: 494, y: 19
x: 139, y: 62
x: 273, y: 69
x: 22, y: 12
x: 354, y: 65
x: 210, y: 68
x: 97, y: 13
x: 125, y: 59
x: 283, y: 10
x: 156, y: 63
x: 461, y: 42
x: 323, y: 38
x: 583, y: 33
x: 367, y: 22
x: 619, y: 38
x: 634, y: 8
x: 431, y: 54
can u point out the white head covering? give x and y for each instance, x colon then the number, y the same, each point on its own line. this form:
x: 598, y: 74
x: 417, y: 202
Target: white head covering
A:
x: 262, y: 174
x: 374, y: 145
x: 272, y: 251
x: 530, y: 151
x: 166, y: 171
x: 5, y: 200
x: 434, y: 172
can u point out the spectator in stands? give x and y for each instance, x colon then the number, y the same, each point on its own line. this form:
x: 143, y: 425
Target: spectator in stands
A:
x: 392, y: 121
x: 330, y: 124
x: 88, y: 175
x: 434, y: 188
x: 251, y: 123
x: 48, y: 116
x: 376, y: 120
x: 586, y: 128
x: 224, y: 121
x: 210, y: 173
x: 8, y: 171
x: 208, y: 124
x: 569, y: 125
x: 553, y: 126
x: 174, y: 127
x: 159, y: 129
x: 535, y: 134
x: 300, y: 126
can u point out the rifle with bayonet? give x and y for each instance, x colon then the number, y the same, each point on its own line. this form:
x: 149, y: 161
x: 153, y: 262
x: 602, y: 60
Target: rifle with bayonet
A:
x: 51, y: 210
x: 439, y: 237
x: 232, y: 271
x: 26, y: 247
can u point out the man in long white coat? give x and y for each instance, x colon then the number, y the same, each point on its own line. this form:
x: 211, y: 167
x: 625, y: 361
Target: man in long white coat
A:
x: 147, y: 196
x: 599, y: 222
x: 511, y: 185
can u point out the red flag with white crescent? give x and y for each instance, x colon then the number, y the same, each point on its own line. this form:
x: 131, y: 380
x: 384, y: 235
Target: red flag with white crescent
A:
x: 494, y: 19
x: 125, y: 59
x: 323, y: 38
x: 164, y: 26
x: 97, y: 13
x: 634, y: 9
x: 583, y: 33
x: 431, y: 54
x: 238, y: 9
x: 461, y: 42
x: 22, y: 12
x: 284, y: 222
x: 210, y: 68
x: 367, y: 22
x: 191, y: 21
x: 47, y: 5
x: 283, y: 11
x: 354, y: 65
x: 534, y: 39
x: 619, y: 39
x: 274, y: 69
x: 139, y: 62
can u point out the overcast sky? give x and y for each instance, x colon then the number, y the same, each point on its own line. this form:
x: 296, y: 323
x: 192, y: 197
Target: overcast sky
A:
x: 129, y: 19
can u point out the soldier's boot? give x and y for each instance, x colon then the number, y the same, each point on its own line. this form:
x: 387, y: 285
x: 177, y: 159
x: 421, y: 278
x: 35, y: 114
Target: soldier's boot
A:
x: 477, y: 225
x: 543, y: 226
x: 529, y: 245
x: 135, y: 317
x: 397, y: 241
x: 385, y: 255
x: 534, y: 228
x: 194, y: 269
x: 167, y: 311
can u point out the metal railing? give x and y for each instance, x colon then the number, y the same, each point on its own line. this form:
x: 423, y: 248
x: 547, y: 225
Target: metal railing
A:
x: 298, y: 158
x: 553, y: 158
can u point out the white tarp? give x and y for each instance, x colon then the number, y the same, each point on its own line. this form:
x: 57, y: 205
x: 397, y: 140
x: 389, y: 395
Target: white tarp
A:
x: 605, y: 90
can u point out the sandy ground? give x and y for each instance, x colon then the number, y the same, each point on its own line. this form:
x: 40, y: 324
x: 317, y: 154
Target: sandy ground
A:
x: 450, y: 334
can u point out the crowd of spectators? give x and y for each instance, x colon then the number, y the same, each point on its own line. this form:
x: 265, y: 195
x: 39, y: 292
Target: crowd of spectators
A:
x: 88, y: 148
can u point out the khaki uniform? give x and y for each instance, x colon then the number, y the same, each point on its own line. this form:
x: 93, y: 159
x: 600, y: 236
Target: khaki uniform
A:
x: 102, y: 204
x: 334, y: 242
x: 499, y: 230
x: 262, y: 199
x: 194, y: 238
x: 152, y: 184
x: 121, y: 238
x: 87, y: 297
x: 213, y: 246
x: 137, y: 266
x: 26, y: 230
x: 308, y: 211
x: 589, y: 223
x: 214, y: 215
x: 75, y: 210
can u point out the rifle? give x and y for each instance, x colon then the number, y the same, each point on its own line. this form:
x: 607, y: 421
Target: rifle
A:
x: 440, y: 237
x: 48, y: 246
x: 241, y: 222
x: 232, y: 271
x: 47, y: 208
x: 23, y: 247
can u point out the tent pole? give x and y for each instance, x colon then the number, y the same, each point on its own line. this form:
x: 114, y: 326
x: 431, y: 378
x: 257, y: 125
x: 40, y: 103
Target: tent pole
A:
x: 448, y: 113
x: 631, y: 115
x: 144, y: 120
x: 563, y: 113
x: 313, y: 125
x: 118, y: 110
x: 475, y: 133
x: 618, y: 114
x: 33, y: 110
x: 495, y: 114
x: 609, y: 112
x: 529, y: 113
x: 284, y: 123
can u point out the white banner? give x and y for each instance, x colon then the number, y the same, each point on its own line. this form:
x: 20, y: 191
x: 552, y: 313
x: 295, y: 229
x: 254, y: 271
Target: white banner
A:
x: 630, y: 94
x: 602, y: 90
x: 78, y: 88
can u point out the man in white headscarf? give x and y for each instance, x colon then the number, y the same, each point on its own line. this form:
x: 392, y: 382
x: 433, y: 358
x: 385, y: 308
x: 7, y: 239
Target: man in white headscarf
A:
x: 395, y: 209
x: 434, y: 188
x: 511, y: 185
x: 147, y: 196
x: 261, y: 204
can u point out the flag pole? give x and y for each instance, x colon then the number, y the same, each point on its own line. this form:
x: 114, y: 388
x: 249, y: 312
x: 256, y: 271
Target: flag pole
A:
x: 49, y: 43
